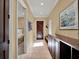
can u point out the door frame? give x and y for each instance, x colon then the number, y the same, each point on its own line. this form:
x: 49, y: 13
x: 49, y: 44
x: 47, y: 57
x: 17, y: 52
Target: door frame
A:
x: 25, y: 26
x: 12, y: 35
x: 42, y: 28
x: 13, y: 51
x: 36, y: 28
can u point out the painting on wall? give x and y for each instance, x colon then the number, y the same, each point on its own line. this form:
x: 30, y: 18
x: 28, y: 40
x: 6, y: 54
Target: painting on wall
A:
x: 29, y: 26
x: 69, y: 17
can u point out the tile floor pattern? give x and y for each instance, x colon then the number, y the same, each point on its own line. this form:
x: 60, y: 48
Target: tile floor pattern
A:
x: 37, y: 52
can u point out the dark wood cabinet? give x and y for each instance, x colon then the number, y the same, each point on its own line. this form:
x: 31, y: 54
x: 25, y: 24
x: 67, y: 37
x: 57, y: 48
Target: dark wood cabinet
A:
x: 60, y: 49
x: 65, y: 51
x: 4, y: 29
x: 51, y: 46
x: 75, y: 54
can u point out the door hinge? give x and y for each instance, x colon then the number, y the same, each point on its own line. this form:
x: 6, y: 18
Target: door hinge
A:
x: 8, y: 41
x: 8, y: 16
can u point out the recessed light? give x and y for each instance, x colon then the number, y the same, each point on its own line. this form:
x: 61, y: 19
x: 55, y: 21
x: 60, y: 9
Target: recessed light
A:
x: 42, y: 4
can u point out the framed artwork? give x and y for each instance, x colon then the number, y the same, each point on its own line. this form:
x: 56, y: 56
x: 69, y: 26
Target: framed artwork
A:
x: 69, y: 17
x: 29, y: 26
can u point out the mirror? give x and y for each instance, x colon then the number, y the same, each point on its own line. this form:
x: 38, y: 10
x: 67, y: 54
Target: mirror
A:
x: 20, y: 28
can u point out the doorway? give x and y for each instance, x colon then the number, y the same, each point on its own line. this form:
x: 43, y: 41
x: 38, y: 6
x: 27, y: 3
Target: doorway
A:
x: 21, y: 29
x: 40, y: 29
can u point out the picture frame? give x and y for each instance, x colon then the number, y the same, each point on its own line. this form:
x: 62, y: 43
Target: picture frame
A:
x: 29, y: 26
x: 69, y: 17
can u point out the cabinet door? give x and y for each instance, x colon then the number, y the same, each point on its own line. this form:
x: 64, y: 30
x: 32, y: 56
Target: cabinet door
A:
x: 65, y: 51
x: 50, y: 44
x: 53, y: 48
x: 75, y: 54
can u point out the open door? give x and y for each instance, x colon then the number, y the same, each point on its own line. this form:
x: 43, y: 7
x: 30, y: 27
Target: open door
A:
x: 40, y: 29
x: 4, y: 29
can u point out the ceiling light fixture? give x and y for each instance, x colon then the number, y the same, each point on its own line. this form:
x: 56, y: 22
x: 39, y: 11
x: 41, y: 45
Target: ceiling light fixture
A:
x: 42, y: 4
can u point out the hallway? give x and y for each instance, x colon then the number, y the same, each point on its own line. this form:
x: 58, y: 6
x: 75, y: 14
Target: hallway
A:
x: 55, y: 21
x: 39, y: 50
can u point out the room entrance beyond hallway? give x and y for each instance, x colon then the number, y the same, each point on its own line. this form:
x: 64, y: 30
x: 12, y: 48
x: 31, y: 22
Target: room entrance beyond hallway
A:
x: 39, y: 29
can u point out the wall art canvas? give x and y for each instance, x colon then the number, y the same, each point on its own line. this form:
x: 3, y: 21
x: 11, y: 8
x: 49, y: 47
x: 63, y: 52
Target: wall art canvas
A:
x: 29, y: 26
x: 69, y: 17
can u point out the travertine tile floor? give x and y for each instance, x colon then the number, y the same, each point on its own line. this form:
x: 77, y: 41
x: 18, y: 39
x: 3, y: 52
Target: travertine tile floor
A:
x: 39, y: 50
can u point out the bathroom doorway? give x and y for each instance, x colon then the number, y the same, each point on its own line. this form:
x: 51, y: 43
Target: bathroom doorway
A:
x: 39, y: 28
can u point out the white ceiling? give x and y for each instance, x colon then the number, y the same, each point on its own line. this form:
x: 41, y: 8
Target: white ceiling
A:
x: 41, y: 10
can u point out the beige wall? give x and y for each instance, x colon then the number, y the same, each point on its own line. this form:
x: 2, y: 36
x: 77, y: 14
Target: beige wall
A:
x: 54, y: 16
x: 30, y: 33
